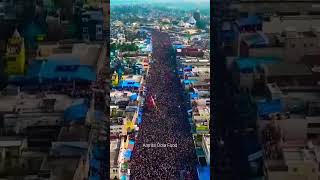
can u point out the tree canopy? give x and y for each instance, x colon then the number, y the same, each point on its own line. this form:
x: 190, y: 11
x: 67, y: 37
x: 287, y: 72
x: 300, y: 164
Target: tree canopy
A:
x: 123, y: 47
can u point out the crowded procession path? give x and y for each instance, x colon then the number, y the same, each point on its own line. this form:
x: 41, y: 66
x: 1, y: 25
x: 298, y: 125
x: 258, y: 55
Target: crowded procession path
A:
x: 164, y: 148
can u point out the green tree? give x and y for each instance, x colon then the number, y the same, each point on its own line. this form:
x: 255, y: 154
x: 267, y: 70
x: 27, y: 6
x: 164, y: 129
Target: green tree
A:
x: 113, y: 47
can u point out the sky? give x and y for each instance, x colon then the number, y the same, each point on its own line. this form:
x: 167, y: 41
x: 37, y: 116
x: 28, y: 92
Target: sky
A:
x: 196, y: 2
x: 164, y: 1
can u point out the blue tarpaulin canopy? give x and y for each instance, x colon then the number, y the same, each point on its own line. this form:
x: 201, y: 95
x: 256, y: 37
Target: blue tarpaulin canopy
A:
x: 249, y: 21
x: 193, y: 95
x: 66, y: 70
x: 187, y: 68
x: 268, y: 107
x: 189, y: 81
x: 127, y: 154
x: 139, y: 119
x: 134, y: 96
x: 77, y: 111
x: 203, y: 173
x: 251, y: 63
x: 178, y: 46
x: 131, y: 142
x: 123, y: 178
x: 129, y: 84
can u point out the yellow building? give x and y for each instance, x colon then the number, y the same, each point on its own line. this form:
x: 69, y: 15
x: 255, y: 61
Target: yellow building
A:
x: 115, y: 79
x: 15, y: 55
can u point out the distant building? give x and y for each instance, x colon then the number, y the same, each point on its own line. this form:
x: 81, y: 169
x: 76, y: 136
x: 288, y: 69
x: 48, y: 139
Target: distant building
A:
x: 196, y: 15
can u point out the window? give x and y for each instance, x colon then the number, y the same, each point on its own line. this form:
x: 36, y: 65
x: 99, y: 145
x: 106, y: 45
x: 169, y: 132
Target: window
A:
x: 311, y: 45
x: 314, y: 125
x: 99, y: 28
x: 293, y: 45
x: 314, y: 13
x: 11, y: 59
x: 85, y: 29
x: 84, y: 19
x: 295, y: 169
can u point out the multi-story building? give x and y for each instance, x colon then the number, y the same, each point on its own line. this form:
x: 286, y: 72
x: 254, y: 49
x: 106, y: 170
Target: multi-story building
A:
x: 92, y: 25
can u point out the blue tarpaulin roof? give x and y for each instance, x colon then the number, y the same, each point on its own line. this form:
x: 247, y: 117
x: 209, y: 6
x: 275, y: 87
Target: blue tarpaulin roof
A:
x: 134, y: 96
x: 34, y: 69
x: 77, y: 111
x: 131, y: 142
x: 268, y: 107
x: 178, y: 46
x: 194, y: 95
x: 250, y: 20
x: 123, y: 178
x: 203, y: 173
x: 139, y: 119
x: 66, y: 70
x: 189, y: 81
x: 187, y: 68
x: 129, y: 84
x: 189, y: 73
x: 127, y: 154
x: 251, y: 63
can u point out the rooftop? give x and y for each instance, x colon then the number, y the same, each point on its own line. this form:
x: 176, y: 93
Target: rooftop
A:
x: 74, y: 133
x: 251, y: 20
x: 31, y: 102
x: 63, y: 168
x: 251, y: 62
x: 287, y: 69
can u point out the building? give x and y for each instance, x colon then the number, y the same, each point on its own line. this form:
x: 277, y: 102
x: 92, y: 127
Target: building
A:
x: 289, y: 45
x: 283, y: 7
x: 15, y: 55
x: 11, y: 148
x: 92, y: 25
x: 196, y: 15
x: 206, y: 147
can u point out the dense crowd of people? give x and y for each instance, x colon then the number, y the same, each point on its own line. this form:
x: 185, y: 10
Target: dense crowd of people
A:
x: 164, y: 147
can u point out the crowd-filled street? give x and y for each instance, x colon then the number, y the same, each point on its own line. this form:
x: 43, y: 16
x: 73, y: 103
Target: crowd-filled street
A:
x: 164, y: 148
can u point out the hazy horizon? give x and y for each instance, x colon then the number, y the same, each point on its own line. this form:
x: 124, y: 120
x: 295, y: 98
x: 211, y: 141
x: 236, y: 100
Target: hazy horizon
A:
x: 181, y: 4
